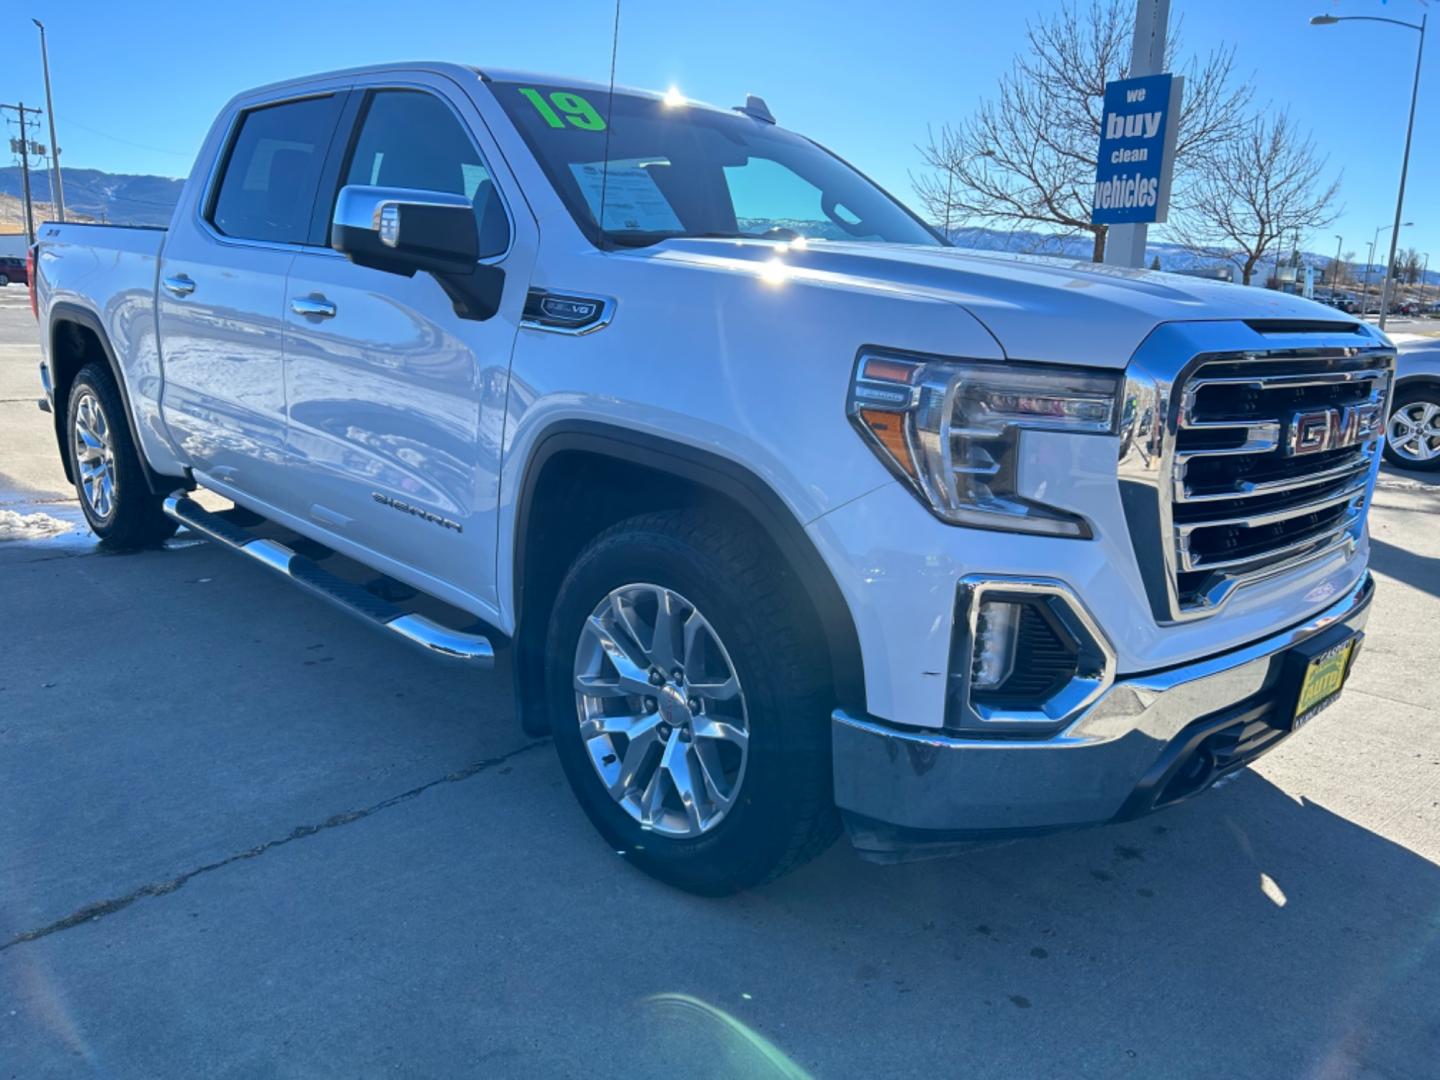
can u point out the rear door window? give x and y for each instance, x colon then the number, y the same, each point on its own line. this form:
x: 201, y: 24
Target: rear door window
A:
x: 272, y: 173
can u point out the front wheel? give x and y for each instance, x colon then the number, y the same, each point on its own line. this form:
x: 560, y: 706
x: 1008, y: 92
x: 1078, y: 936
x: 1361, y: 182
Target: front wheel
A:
x: 688, y: 705
x: 118, y: 505
x: 1412, y: 435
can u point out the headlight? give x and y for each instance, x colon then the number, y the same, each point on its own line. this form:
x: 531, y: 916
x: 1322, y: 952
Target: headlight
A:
x: 951, y: 430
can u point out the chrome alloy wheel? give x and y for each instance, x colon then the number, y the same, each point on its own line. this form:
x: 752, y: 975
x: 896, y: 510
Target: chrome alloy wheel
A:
x: 1414, y: 431
x: 661, y: 711
x: 95, y: 455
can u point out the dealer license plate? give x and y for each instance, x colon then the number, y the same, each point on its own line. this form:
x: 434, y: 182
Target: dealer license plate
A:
x: 1324, y: 676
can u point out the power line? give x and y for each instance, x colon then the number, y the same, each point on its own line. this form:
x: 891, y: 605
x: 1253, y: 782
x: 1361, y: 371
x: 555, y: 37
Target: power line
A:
x: 127, y: 142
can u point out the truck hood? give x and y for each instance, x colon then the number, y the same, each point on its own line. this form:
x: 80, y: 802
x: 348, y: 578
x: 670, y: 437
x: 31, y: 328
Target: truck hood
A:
x: 1037, y: 308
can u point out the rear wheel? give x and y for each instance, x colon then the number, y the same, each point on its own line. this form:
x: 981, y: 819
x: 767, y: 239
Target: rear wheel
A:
x: 118, y: 505
x: 1412, y: 435
x: 688, y: 705
x: 4, y: 280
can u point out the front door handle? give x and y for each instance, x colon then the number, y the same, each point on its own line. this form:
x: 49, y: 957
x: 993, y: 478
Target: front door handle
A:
x: 179, y: 285
x: 315, y: 306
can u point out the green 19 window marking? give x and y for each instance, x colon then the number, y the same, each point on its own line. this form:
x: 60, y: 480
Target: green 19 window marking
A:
x: 577, y: 111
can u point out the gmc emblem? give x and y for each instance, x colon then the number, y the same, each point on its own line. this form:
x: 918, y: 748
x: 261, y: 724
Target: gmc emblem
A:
x: 1331, y: 429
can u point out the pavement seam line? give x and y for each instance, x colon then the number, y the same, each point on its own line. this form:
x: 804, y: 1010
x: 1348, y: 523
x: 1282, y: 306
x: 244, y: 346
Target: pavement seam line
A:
x: 102, y: 908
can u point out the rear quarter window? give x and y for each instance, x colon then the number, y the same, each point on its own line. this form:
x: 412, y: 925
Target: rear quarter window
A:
x: 271, y: 174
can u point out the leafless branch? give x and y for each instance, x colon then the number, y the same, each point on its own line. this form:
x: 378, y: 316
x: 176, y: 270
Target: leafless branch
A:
x: 1027, y: 156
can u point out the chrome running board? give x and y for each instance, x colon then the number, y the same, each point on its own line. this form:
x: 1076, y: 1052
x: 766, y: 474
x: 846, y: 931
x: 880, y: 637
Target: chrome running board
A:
x: 435, y: 639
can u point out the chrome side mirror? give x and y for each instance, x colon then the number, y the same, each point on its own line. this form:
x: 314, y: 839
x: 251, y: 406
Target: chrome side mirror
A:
x: 404, y: 231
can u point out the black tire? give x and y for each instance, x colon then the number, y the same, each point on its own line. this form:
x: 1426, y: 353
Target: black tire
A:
x: 783, y: 814
x: 133, y: 516
x: 4, y: 281
x: 1405, y: 398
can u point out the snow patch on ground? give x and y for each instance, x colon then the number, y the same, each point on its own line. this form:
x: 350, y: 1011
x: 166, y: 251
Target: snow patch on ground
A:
x: 17, y: 526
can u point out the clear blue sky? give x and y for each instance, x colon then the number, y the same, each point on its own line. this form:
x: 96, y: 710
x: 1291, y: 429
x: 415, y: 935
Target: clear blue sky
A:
x: 137, y: 83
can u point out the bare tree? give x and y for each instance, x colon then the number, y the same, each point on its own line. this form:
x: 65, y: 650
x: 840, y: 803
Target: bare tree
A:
x: 1257, y: 190
x: 1408, y: 262
x: 1342, y: 272
x: 1027, y: 156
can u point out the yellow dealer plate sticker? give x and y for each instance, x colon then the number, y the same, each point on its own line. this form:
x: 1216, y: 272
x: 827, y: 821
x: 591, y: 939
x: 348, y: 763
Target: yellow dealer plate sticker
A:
x: 1323, y: 679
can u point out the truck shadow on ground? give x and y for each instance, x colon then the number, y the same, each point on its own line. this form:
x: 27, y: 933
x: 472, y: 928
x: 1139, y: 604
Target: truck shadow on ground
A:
x: 1419, y: 571
x: 1246, y: 933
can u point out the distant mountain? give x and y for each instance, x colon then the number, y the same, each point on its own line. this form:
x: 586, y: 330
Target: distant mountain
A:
x: 100, y: 196
x: 1173, y: 257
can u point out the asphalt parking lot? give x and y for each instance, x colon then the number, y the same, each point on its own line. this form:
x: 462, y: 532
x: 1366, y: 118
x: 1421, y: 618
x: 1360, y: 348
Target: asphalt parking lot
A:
x: 241, y: 835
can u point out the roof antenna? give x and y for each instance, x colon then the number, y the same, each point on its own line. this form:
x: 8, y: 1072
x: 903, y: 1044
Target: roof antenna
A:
x: 609, y: 113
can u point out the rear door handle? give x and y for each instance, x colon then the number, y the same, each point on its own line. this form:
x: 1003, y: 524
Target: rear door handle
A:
x: 179, y: 285
x: 315, y: 306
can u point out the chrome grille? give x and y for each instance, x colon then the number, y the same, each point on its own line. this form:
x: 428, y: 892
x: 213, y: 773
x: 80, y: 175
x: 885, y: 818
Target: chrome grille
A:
x: 1248, y: 451
x: 1247, y: 501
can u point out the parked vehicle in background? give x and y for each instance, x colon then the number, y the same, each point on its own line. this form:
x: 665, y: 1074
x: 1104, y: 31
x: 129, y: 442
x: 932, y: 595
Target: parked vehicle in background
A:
x: 1412, y: 434
x: 12, y: 271
x: 792, y: 513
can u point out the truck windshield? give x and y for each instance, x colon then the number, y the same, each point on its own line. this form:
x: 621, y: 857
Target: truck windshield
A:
x: 674, y: 170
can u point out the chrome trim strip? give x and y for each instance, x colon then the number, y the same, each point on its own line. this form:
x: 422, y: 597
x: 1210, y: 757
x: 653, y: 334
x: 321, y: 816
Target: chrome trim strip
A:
x: 435, y: 639
x: 1246, y: 489
x: 1271, y: 382
x: 1268, y: 439
x: 1274, y: 517
x: 1300, y: 553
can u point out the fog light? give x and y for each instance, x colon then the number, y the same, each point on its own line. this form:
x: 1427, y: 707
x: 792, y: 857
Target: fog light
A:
x: 1026, y: 658
x: 995, y: 633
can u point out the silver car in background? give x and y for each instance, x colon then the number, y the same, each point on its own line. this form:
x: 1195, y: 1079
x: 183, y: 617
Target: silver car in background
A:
x: 1412, y: 435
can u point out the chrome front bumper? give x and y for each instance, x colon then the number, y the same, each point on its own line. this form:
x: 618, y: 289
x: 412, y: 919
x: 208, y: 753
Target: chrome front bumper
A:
x: 1112, y: 763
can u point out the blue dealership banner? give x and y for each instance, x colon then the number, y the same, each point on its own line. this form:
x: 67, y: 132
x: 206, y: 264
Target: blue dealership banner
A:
x: 1137, y: 149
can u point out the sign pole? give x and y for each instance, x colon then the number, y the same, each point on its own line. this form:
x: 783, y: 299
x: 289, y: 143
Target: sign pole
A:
x: 1125, y: 244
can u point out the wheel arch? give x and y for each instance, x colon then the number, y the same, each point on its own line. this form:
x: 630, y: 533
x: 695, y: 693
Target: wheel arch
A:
x: 1426, y: 380
x: 586, y: 476
x: 77, y: 337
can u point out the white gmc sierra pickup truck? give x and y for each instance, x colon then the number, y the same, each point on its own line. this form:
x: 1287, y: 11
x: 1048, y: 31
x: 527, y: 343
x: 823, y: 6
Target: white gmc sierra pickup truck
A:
x: 792, y: 514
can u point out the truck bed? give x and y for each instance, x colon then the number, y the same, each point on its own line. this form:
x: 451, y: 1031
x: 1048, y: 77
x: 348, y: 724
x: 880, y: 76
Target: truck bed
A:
x: 106, y: 275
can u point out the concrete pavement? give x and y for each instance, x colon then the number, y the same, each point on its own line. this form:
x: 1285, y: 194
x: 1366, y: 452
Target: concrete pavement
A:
x: 242, y: 835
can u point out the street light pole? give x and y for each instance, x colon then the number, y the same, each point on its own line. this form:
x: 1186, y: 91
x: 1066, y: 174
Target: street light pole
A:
x: 1330, y: 20
x: 1335, y: 268
x: 57, y: 189
x: 1369, y: 265
x: 1373, y: 245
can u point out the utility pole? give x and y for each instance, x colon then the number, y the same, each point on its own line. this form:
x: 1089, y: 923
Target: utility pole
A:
x: 1369, y: 261
x: 57, y: 189
x: 24, y: 149
x: 1125, y: 243
x: 1335, y: 268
